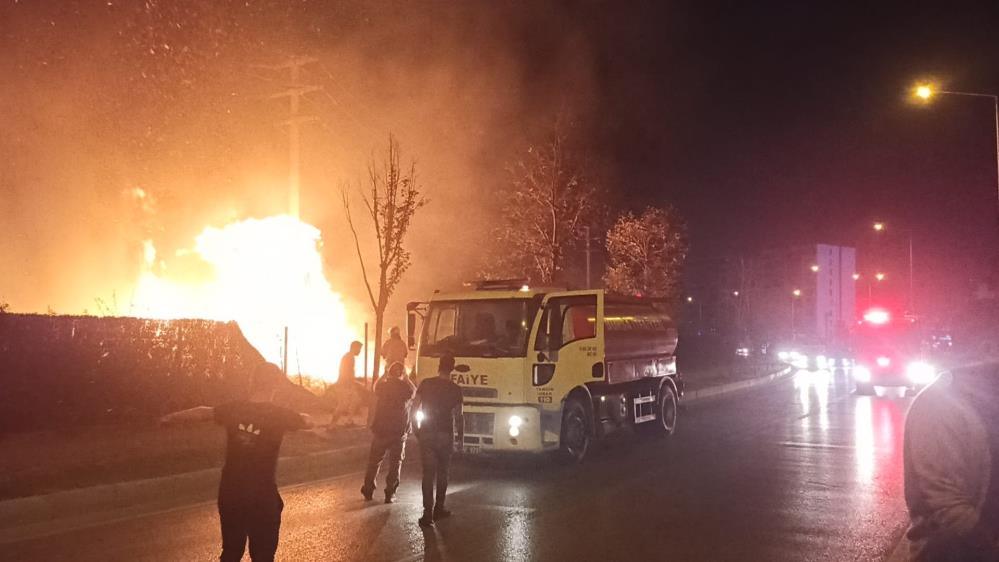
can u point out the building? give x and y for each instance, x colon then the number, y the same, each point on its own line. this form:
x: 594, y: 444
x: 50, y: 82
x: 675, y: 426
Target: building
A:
x: 793, y: 293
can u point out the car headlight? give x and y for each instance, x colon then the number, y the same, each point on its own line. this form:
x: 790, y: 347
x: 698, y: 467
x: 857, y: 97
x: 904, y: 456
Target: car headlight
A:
x: 861, y: 373
x: 884, y: 361
x: 920, y: 372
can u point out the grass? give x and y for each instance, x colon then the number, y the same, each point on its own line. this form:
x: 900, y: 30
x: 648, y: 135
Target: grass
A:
x: 49, y: 461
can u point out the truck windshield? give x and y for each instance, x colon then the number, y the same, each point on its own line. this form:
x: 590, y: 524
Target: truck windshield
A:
x: 478, y: 328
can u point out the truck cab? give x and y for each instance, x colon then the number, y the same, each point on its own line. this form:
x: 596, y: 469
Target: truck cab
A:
x: 549, y: 370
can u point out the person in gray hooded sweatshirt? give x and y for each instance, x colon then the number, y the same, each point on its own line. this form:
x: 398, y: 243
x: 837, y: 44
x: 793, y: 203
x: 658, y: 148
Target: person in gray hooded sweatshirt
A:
x: 951, y: 464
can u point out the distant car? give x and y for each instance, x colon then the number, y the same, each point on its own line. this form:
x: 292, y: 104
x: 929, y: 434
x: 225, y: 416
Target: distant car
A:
x: 815, y: 357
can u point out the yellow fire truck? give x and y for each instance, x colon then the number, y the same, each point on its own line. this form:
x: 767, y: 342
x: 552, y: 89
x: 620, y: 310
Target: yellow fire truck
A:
x: 545, y: 369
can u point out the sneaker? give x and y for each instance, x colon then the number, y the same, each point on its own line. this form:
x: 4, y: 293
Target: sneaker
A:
x: 441, y: 513
x: 389, y: 498
x: 426, y: 521
x: 368, y: 494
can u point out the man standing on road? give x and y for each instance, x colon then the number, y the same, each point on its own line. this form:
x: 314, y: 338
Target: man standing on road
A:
x: 394, y: 350
x: 951, y: 458
x: 249, y: 503
x: 393, y: 392
x: 438, y: 410
x: 348, y: 392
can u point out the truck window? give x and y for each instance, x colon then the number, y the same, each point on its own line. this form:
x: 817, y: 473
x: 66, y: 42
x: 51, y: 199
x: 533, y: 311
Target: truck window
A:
x: 478, y: 328
x: 567, y: 319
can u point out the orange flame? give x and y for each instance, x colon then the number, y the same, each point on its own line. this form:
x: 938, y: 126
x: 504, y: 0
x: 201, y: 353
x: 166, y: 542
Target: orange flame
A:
x: 266, y: 274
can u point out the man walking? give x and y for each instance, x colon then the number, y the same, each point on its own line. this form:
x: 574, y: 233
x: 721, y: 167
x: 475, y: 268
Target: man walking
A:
x: 393, y: 393
x: 951, y: 466
x: 349, y: 393
x: 438, y: 412
x: 249, y: 503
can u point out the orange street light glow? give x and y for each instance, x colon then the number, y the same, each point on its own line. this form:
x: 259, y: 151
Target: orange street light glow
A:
x: 924, y: 92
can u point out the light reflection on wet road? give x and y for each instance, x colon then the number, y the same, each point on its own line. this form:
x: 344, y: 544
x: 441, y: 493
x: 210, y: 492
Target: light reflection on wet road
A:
x: 799, y: 470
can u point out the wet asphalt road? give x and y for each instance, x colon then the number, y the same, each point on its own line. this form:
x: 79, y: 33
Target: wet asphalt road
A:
x: 798, y: 470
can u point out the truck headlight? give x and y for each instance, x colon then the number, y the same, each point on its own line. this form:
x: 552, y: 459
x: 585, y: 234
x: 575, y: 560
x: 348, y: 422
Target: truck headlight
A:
x: 861, y: 373
x: 515, y: 422
x: 920, y: 372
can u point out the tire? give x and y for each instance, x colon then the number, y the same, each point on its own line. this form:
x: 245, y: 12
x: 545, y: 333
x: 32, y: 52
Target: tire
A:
x: 575, y: 435
x: 666, y: 414
x: 865, y: 389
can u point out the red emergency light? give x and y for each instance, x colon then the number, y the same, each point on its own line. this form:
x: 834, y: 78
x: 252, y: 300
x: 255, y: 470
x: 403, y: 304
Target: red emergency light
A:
x: 877, y: 316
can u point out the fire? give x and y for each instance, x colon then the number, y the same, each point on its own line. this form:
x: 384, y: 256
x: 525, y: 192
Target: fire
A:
x: 266, y: 274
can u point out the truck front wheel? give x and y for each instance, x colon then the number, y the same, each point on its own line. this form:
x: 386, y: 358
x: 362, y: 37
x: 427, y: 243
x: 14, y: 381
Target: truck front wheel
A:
x: 574, y: 440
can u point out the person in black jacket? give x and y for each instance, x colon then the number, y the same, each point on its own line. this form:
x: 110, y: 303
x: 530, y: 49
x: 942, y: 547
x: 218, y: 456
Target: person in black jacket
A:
x: 439, y: 412
x: 249, y: 503
x: 389, y: 428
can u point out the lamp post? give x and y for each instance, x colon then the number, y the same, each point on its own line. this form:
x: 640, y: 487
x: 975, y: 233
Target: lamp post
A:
x: 881, y: 227
x: 925, y: 92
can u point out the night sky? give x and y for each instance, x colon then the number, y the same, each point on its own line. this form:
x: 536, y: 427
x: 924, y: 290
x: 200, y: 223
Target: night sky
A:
x: 767, y: 124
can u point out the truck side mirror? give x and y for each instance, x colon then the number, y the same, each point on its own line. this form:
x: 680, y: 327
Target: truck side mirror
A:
x: 411, y: 329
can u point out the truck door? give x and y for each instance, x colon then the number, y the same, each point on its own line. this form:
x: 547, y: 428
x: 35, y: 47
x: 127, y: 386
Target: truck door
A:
x: 567, y: 352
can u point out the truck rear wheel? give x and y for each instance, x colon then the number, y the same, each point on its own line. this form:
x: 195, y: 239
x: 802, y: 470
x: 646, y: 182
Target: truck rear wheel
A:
x: 666, y: 413
x: 574, y: 439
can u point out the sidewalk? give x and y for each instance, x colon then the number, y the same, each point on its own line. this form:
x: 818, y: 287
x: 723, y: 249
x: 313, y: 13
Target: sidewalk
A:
x: 187, y: 469
x: 714, y: 383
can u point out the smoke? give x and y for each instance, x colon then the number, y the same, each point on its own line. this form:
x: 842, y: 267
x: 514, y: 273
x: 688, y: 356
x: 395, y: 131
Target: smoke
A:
x: 176, y: 99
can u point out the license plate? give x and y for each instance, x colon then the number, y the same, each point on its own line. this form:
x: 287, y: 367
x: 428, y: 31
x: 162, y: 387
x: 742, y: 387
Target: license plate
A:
x: 472, y: 449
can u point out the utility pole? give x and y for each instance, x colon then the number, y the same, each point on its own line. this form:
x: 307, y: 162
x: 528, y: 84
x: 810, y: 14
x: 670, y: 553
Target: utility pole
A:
x: 294, y: 94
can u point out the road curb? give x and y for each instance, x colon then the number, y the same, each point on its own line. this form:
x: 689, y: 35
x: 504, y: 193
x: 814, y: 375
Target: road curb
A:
x: 140, y: 496
x: 722, y: 389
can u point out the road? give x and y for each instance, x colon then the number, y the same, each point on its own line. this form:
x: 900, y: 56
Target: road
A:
x: 799, y: 470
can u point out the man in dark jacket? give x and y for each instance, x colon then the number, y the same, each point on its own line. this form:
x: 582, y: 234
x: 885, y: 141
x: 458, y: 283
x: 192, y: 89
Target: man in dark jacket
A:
x: 951, y: 460
x: 439, y: 411
x: 393, y: 393
x: 249, y: 503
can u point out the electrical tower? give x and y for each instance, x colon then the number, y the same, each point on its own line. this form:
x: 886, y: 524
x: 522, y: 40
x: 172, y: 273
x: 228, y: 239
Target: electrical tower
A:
x: 294, y: 94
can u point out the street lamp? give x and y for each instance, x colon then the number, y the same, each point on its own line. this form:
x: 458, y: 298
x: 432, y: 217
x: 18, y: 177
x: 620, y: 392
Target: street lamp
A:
x: 815, y: 268
x: 880, y: 226
x: 879, y: 276
x: 856, y: 276
x: 926, y: 91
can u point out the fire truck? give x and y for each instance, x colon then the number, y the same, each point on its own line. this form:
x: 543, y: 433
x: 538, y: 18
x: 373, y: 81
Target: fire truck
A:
x: 550, y: 370
x: 888, y: 352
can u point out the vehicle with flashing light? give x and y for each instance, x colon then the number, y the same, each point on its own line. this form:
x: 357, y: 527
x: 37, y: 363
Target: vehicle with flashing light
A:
x: 815, y: 357
x: 550, y: 370
x: 889, y: 353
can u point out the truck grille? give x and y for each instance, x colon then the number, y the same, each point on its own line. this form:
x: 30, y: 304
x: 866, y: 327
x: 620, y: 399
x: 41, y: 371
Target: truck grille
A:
x: 477, y: 392
x: 478, y: 423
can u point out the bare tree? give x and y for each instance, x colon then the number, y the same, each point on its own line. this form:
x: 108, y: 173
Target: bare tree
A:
x: 392, y: 199
x: 544, y: 213
x: 645, y: 253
